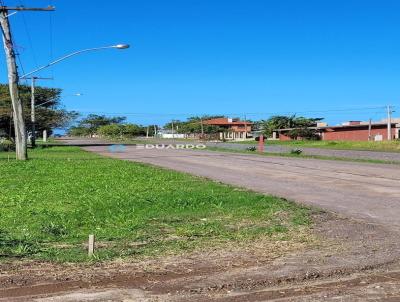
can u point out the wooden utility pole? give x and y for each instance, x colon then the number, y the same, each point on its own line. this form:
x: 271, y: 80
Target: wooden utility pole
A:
x: 33, y: 109
x: 33, y: 116
x: 245, y: 127
x: 370, y: 130
x: 389, y: 123
x: 18, y: 114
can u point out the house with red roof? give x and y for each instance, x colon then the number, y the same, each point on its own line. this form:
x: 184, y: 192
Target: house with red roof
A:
x: 234, y: 128
x: 351, y: 131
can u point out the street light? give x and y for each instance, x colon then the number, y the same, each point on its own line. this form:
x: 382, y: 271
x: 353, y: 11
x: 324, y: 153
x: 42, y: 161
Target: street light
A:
x: 118, y: 46
x: 52, y: 100
x: 121, y: 46
x: 27, y: 75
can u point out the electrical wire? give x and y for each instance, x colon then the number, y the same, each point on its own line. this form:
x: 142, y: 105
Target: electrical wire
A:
x: 348, y: 110
x: 51, y: 35
x: 13, y: 43
x: 29, y: 37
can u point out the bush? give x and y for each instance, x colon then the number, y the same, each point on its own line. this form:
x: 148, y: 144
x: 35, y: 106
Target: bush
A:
x: 252, y: 148
x: 304, y: 133
x: 79, y: 131
x: 132, y: 130
x: 296, y: 151
x: 112, y: 131
x: 6, y: 145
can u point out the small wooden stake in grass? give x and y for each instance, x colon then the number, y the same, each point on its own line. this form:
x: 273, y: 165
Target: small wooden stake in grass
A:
x: 91, y: 246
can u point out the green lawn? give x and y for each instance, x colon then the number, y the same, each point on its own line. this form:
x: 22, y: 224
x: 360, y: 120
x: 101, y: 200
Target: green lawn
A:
x: 389, y: 146
x: 255, y: 152
x: 51, y: 203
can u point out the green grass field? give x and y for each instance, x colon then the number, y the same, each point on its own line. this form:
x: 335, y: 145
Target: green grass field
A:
x: 389, y: 146
x: 360, y: 160
x: 385, y: 146
x: 51, y: 203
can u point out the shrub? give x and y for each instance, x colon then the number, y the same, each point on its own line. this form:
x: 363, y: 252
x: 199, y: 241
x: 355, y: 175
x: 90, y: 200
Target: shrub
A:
x: 6, y: 145
x: 296, y: 151
x: 113, y: 130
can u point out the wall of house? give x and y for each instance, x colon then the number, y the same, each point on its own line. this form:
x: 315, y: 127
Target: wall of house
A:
x: 283, y: 137
x: 233, y: 135
x: 352, y: 134
x: 356, y: 134
x: 238, y: 128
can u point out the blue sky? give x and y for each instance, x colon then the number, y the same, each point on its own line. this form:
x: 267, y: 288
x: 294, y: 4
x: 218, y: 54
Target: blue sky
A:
x: 236, y: 57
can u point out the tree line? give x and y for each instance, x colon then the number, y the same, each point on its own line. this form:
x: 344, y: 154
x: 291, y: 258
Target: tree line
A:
x: 49, y: 112
x: 111, y: 127
x: 115, y: 127
x: 298, y: 126
x: 51, y: 115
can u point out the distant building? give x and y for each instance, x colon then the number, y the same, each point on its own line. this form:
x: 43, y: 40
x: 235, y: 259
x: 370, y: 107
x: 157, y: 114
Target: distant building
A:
x: 168, y: 133
x: 234, y: 129
x: 350, y: 131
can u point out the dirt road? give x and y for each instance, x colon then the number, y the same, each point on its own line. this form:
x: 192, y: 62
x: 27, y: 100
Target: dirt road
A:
x: 365, y: 191
x: 358, y: 258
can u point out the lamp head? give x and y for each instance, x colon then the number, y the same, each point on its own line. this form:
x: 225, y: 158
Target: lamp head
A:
x: 121, y: 46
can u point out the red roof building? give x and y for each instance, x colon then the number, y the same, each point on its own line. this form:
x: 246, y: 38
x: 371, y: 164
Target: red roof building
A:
x: 351, y: 131
x: 233, y: 128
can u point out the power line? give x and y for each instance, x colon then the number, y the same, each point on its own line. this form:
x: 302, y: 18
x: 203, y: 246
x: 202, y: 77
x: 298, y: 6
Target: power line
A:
x: 29, y: 37
x: 12, y: 42
x: 51, y: 39
x: 238, y: 114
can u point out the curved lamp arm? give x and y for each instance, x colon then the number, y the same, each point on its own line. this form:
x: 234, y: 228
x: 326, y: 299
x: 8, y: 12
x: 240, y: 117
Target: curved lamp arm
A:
x: 118, y: 46
x: 52, y: 100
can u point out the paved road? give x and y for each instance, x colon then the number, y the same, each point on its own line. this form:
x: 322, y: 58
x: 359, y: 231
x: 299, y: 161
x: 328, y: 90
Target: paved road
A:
x: 360, y: 190
x: 350, y: 154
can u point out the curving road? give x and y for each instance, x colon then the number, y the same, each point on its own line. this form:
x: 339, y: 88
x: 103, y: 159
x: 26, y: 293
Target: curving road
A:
x: 359, y: 190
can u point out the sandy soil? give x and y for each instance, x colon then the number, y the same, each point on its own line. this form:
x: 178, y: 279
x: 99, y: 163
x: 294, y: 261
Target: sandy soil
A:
x: 350, y: 259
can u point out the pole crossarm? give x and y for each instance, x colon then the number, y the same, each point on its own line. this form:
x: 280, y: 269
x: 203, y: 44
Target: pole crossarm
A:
x: 23, y: 8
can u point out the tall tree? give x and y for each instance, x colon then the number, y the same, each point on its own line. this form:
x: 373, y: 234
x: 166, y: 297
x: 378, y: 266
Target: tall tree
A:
x: 49, y: 113
x: 300, y: 126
